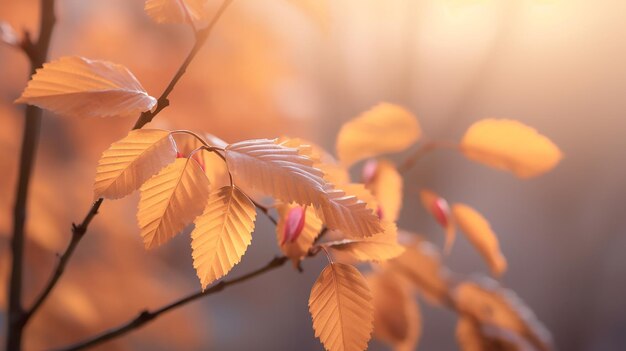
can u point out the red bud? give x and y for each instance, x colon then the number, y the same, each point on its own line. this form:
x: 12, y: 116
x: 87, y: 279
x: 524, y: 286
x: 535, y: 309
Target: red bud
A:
x: 294, y: 223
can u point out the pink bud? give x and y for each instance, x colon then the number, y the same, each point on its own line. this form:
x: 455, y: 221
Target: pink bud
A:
x: 293, y: 224
x: 441, y: 211
x: 369, y: 171
x: 179, y: 155
x: 379, y: 212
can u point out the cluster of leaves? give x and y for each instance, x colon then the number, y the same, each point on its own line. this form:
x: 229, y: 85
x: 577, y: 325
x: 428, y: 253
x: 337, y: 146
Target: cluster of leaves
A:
x: 186, y: 178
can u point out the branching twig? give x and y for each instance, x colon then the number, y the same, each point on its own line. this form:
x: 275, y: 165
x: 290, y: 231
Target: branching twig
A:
x: 147, y: 316
x: 37, y: 54
x: 143, y: 119
x: 424, y: 149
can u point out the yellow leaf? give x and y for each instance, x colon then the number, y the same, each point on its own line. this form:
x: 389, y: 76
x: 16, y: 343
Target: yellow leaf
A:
x: 421, y: 265
x: 334, y: 172
x: 386, y: 128
x: 128, y: 163
x: 170, y: 200
x: 288, y: 174
x: 438, y: 207
x: 176, y: 11
x: 379, y: 247
x: 341, y: 307
x: 222, y: 234
x: 212, y: 165
x: 76, y: 86
x: 397, y: 318
x: 300, y: 247
x: 489, y: 305
x: 510, y: 145
x: 386, y: 185
x: 479, y: 233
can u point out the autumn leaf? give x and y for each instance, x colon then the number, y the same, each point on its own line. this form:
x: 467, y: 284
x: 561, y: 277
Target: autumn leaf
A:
x: 379, y: 247
x: 176, y: 11
x: 397, y: 318
x: 510, y: 145
x: 129, y: 162
x: 439, y: 209
x: 333, y: 171
x: 386, y: 185
x: 76, y: 86
x: 421, y: 265
x: 222, y: 234
x: 288, y: 175
x: 472, y: 335
x: 341, y: 307
x: 170, y: 200
x: 479, y: 233
x: 386, y: 128
x: 489, y: 305
x: 300, y: 247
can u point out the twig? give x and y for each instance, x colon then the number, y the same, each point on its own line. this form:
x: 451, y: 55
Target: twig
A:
x: 424, y: 149
x: 37, y: 54
x: 79, y: 231
x: 147, y: 316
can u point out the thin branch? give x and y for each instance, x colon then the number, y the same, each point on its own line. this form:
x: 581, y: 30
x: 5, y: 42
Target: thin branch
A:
x: 78, y: 231
x: 37, y: 53
x: 143, y: 119
x: 147, y: 316
x: 423, y: 150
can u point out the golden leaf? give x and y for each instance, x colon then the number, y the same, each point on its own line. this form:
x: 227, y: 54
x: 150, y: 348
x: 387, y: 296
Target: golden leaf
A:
x: 379, y: 247
x: 489, y: 305
x: 438, y: 207
x: 129, y: 162
x: 222, y: 234
x: 334, y: 172
x: 397, y: 318
x: 421, y: 265
x: 341, y: 307
x: 288, y: 174
x: 510, y: 145
x: 479, y: 233
x: 385, y: 128
x: 176, y: 11
x: 170, y: 200
x: 386, y: 185
x: 76, y: 86
x: 300, y: 247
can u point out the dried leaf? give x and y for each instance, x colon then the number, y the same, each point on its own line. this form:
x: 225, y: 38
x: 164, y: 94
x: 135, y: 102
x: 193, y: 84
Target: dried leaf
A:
x: 510, y: 145
x: 170, y: 200
x: 300, y: 247
x: 129, y: 162
x: 76, y: 86
x: 386, y: 185
x: 341, y: 307
x: 385, y: 128
x: 397, y: 318
x: 438, y: 207
x: 479, y: 233
x: 493, y: 307
x: 222, y: 234
x: 287, y: 173
x: 176, y: 11
x: 379, y: 247
x: 421, y: 265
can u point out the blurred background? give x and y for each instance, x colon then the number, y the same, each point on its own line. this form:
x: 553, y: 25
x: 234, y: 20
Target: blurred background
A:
x: 302, y: 68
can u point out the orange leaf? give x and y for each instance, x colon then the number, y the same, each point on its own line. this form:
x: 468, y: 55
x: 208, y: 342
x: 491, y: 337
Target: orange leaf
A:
x: 386, y: 185
x: 510, y: 145
x: 76, y: 86
x: 386, y: 128
x: 171, y: 200
x: 129, y: 162
x: 341, y: 307
x: 379, y: 247
x: 176, y: 11
x: 479, y: 233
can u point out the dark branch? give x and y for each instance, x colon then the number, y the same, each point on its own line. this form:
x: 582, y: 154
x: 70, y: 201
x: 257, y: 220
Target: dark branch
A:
x: 147, y: 316
x: 30, y: 140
